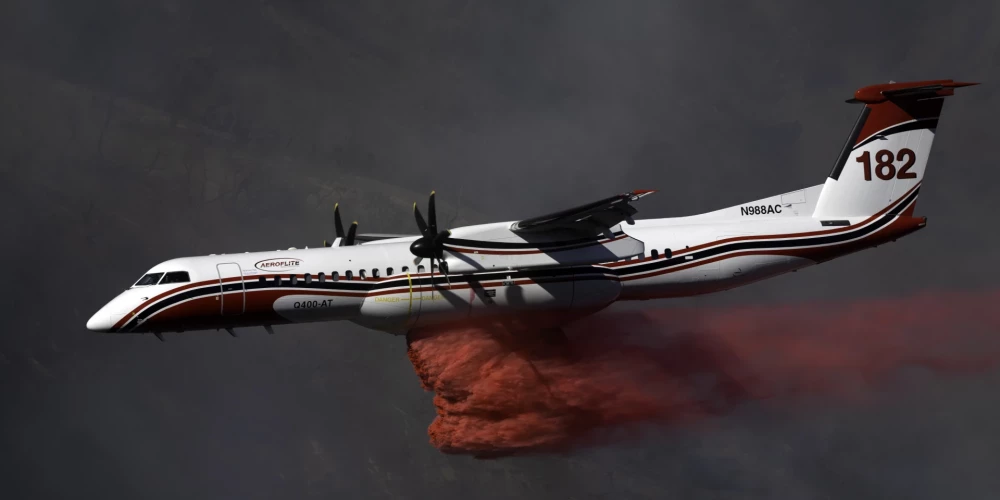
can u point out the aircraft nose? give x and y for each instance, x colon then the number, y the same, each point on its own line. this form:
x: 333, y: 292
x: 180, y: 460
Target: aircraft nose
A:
x: 100, y: 322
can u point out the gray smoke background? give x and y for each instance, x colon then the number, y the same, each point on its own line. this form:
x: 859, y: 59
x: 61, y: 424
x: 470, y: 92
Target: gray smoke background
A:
x: 133, y: 132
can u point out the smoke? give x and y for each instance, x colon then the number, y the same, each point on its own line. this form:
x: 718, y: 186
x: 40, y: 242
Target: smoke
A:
x: 498, y: 393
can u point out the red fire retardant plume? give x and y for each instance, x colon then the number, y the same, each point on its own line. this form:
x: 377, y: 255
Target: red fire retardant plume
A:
x: 498, y: 393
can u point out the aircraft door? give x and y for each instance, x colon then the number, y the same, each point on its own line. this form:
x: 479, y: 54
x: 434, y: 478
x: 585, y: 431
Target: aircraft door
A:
x: 232, y: 291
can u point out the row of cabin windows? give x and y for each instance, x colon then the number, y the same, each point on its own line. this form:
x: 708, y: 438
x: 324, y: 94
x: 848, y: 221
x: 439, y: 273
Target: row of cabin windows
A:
x: 666, y: 253
x: 335, y: 276
x: 362, y: 274
x: 653, y: 254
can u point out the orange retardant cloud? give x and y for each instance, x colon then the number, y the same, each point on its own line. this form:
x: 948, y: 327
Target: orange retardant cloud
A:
x: 497, y: 393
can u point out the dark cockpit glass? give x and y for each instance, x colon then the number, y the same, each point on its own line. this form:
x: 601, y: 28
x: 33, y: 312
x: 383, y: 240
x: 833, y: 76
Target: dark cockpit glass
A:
x: 171, y: 277
x: 176, y: 277
x: 149, y: 279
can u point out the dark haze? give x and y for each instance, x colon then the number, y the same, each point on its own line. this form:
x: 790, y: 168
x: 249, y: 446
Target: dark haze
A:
x: 134, y: 132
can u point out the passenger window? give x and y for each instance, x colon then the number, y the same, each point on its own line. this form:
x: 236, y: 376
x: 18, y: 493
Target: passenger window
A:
x: 654, y: 253
x: 444, y: 266
x: 388, y: 271
x: 277, y: 280
x: 309, y: 278
x: 322, y: 277
x: 175, y: 277
x: 349, y: 275
x: 294, y: 279
x: 335, y: 276
x: 149, y: 279
x: 667, y: 253
x: 362, y: 274
x: 261, y: 280
x: 420, y: 269
x: 406, y: 269
x: 374, y: 273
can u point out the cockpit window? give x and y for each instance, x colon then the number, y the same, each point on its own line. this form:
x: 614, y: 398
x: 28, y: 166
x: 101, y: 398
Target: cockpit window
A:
x: 176, y: 277
x: 149, y: 279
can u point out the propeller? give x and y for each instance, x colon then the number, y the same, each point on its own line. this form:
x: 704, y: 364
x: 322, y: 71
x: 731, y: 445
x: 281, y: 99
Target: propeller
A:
x: 339, y: 227
x: 430, y: 245
x: 351, y: 232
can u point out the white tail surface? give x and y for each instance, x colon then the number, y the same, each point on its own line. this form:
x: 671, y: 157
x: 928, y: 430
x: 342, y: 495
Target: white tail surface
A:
x: 885, y: 156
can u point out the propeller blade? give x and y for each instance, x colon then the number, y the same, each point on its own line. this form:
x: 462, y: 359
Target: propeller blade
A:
x: 350, y: 234
x: 420, y: 220
x: 432, y: 215
x: 336, y: 221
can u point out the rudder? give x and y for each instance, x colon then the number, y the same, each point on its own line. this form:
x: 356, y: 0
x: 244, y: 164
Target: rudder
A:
x: 885, y: 156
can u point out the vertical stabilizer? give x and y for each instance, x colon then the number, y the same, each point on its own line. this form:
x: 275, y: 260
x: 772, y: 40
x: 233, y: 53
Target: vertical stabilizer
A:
x: 886, y: 154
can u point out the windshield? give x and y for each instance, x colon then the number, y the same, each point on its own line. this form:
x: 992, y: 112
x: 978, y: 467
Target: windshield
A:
x: 149, y: 279
x: 176, y: 277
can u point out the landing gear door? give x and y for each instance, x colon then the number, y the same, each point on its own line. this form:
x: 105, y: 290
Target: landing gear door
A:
x: 232, y: 291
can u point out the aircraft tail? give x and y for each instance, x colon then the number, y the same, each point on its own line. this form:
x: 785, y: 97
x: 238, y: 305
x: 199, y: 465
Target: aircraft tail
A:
x: 885, y: 156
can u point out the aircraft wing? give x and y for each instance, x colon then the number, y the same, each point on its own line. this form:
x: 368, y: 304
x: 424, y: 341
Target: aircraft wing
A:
x: 591, y: 219
x: 365, y: 237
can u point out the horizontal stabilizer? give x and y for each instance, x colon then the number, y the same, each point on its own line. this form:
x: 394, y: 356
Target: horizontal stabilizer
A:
x: 874, y: 94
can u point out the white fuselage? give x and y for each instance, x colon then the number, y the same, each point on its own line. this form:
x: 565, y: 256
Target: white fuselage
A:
x: 496, y: 275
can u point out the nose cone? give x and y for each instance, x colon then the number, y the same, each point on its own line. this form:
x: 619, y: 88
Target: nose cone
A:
x: 100, y: 322
x: 105, y: 319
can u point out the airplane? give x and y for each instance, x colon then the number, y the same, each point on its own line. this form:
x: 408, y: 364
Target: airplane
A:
x: 544, y: 272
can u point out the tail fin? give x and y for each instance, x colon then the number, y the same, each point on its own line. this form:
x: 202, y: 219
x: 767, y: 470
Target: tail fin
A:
x: 886, y: 154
